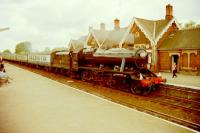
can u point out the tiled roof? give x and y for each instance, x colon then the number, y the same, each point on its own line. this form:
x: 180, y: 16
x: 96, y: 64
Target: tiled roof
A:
x: 109, y: 38
x: 101, y: 35
x: 182, y: 39
x: 79, y: 43
x: 114, y: 37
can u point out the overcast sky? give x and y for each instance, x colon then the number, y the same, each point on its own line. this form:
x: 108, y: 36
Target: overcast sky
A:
x: 52, y: 23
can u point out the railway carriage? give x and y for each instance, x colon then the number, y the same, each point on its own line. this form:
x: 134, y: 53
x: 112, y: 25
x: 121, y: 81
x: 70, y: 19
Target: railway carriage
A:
x: 22, y: 58
x: 60, y: 61
x: 6, y: 56
x: 12, y: 57
x: 39, y: 59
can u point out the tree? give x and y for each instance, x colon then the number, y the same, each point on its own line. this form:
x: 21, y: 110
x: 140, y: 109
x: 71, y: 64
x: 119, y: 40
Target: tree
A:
x: 190, y: 24
x: 198, y: 26
x: 47, y: 49
x: 7, y: 51
x: 23, y: 47
x: 181, y: 25
x: 59, y: 49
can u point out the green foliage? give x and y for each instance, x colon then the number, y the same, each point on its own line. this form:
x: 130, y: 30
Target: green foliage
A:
x: 59, y: 49
x: 23, y: 48
x: 198, y: 25
x: 47, y: 49
x: 7, y: 51
x: 190, y: 24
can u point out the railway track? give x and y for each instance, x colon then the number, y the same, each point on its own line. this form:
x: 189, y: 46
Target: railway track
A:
x: 177, y: 104
x: 181, y: 92
x: 190, y: 124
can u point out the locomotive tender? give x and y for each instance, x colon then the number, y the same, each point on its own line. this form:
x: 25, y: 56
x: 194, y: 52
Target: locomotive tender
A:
x: 116, y: 68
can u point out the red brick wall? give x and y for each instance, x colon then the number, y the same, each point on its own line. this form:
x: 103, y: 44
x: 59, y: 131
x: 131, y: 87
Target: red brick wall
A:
x: 198, y: 60
x: 184, y: 60
x: 193, y: 60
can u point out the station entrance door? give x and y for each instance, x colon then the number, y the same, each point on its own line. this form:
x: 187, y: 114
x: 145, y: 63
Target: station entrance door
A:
x: 175, y: 59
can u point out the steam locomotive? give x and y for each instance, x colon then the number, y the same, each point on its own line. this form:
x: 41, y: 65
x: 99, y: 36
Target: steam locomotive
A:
x: 116, y: 68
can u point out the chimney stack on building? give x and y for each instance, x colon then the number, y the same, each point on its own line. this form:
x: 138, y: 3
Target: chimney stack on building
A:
x: 117, y: 24
x: 169, y: 12
x: 102, y: 26
x: 90, y: 28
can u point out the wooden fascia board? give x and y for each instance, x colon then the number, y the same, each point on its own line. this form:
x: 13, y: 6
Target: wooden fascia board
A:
x: 104, y: 40
x: 70, y: 44
x: 126, y: 33
x: 88, y: 37
x: 73, y: 45
x: 145, y: 33
x: 95, y: 38
x: 177, y: 24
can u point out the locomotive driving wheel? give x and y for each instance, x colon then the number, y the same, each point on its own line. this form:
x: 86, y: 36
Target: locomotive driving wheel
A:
x: 111, y: 83
x: 135, y: 88
x: 149, y: 89
x: 84, y: 75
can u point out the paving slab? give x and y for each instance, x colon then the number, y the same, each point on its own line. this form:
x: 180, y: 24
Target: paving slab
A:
x: 183, y: 80
x: 31, y: 103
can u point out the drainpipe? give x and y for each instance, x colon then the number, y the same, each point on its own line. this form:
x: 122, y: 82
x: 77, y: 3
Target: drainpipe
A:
x: 154, y: 58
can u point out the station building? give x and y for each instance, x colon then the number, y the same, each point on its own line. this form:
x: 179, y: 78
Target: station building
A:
x: 164, y: 40
x: 183, y: 48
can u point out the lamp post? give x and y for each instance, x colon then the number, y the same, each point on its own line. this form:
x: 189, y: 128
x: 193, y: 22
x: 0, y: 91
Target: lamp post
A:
x: 3, y: 29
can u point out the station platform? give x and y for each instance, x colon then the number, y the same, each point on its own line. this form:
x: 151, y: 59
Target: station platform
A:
x: 182, y: 80
x: 31, y: 103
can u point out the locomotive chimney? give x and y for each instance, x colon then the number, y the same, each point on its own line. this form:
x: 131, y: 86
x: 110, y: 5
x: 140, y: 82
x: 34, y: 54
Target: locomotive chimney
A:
x: 169, y: 12
x: 116, y: 24
x: 102, y: 26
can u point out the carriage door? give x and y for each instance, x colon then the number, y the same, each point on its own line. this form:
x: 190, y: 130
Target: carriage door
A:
x: 175, y: 59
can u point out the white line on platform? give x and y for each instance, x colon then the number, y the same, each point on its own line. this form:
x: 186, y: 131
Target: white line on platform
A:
x: 193, y: 87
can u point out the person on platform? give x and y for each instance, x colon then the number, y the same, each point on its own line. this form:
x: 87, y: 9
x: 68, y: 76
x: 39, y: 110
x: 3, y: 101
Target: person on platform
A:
x: 1, y: 59
x: 2, y: 69
x: 174, y: 70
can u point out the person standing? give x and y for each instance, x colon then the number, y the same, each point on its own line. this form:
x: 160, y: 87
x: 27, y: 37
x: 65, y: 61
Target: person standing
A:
x: 1, y: 59
x: 174, y: 70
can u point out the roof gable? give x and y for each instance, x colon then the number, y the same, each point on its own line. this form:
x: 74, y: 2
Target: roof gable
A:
x: 109, y: 38
x: 101, y: 35
x: 77, y: 44
x: 152, y: 29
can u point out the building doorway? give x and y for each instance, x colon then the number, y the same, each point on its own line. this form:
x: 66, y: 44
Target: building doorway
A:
x: 175, y: 60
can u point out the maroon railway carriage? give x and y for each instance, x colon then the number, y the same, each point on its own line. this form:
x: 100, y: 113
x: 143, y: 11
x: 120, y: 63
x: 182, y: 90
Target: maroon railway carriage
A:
x: 61, y: 61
